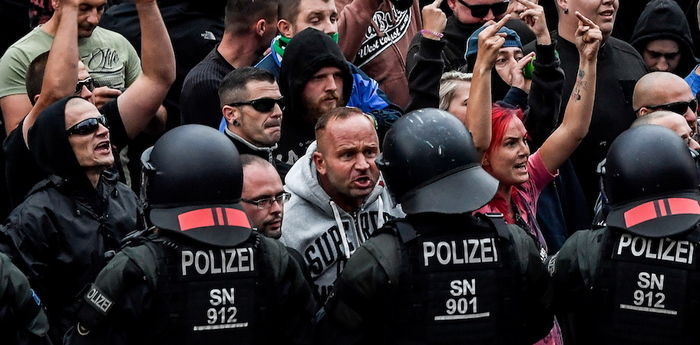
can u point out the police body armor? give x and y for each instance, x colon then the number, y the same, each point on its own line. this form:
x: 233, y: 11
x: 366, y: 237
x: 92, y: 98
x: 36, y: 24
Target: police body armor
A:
x: 209, y: 295
x: 457, y: 286
x: 645, y: 291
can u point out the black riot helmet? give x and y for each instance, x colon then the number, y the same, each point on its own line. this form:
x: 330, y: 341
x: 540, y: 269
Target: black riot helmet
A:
x: 430, y: 164
x: 192, y: 180
x: 651, y: 181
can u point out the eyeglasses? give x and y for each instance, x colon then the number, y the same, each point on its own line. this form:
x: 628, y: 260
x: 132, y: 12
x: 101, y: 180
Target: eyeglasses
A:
x: 263, y: 105
x: 264, y: 203
x: 87, y: 126
x: 88, y: 82
x: 480, y: 11
x: 677, y: 107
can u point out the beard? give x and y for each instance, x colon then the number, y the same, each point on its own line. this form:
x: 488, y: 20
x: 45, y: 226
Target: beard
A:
x: 316, y: 108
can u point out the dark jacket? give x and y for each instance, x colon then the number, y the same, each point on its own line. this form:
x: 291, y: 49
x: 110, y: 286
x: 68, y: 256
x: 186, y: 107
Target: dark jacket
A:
x: 66, y: 230
x: 664, y: 19
x: 22, y: 319
x: 150, y: 287
x: 265, y: 153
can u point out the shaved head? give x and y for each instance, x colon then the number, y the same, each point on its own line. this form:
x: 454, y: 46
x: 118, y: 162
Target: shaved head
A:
x: 650, y: 88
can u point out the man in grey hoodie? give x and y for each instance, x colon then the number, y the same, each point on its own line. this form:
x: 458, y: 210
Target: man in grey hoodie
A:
x: 338, y: 196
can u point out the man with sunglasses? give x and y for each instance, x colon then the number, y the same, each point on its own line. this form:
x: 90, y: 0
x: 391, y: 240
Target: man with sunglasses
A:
x: 52, y: 76
x: 666, y: 91
x: 252, y: 106
x: 71, y: 222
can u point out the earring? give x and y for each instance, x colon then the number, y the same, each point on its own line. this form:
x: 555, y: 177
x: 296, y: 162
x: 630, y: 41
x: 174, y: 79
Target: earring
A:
x: 566, y: 11
x: 236, y: 123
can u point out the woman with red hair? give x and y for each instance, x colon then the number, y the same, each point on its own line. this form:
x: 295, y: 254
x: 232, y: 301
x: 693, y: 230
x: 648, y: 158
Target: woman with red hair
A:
x: 507, y: 157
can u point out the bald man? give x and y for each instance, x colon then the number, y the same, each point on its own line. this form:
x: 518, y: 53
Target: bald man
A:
x: 672, y: 121
x: 666, y: 91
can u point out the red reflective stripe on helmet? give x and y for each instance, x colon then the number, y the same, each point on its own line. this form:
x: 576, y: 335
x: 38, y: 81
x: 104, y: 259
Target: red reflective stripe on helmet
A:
x: 237, y: 217
x: 196, y: 219
x: 660, y: 208
x: 683, y: 206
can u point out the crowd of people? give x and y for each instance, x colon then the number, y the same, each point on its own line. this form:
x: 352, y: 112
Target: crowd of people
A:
x: 350, y: 172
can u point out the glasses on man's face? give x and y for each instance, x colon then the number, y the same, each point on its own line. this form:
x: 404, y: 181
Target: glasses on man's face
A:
x: 263, y: 105
x: 264, y: 203
x: 677, y: 107
x: 87, y: 126
x: 481, y: 11
x: 88, y: 82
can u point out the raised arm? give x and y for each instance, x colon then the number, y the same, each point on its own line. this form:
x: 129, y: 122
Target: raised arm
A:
x: 577, y: 116
x: 478, y: 115
x: 140, y: 101
x: 61, y: 70
x: 424, y: 78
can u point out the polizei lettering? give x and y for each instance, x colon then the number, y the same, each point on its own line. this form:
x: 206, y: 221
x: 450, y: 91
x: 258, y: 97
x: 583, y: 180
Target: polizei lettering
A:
x: 98, y: 300
x: 661, y: 249
x: 217, y: 261
x: 460, y: 252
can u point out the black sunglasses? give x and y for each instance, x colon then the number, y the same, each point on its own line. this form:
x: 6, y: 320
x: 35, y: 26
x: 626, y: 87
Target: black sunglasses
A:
x: 480, y: 11
x: 87, y: 126
x: 677, y: 107
x: 263, y: 105
x: 88, y: 82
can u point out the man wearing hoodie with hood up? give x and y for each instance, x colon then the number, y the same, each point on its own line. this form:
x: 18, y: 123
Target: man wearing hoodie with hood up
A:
x: 662, y: 36
x: 309, y: 91
x: 71, y: 223
x: 338, y: 198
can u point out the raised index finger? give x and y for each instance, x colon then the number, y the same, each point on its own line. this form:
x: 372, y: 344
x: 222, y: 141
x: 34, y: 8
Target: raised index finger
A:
x: 585, y: 20
x: 501, y: 23
x: 437, y: 3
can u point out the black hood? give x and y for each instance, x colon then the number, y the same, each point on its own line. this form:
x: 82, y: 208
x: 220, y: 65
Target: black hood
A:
x: 307, y: 52
x: 50, y: 148
x: 664, y: 19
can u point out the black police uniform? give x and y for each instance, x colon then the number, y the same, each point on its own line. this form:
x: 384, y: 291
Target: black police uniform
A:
x: 22, y: 318
x: 171, y: 290
x: 440, y: 279
x: 636, y: 281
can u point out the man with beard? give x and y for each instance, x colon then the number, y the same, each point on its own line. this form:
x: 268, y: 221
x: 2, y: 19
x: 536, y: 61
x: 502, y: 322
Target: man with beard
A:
x: 338, y: 198
x: 252, y: 107
x: 314, y: 78
x: 108, y: 56
x: 249, y: 28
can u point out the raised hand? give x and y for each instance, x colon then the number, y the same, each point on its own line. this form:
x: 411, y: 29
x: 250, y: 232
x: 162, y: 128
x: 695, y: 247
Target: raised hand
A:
x: 434, y: 20
x: 517, y: 79
x: 490, y: 41
x: 536, y: 21
x: 588, y: 38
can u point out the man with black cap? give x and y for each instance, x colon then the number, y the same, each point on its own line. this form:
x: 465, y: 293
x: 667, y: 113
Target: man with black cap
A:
x: 441, y: 275
x: 202, y: 275
x: 636, y: 281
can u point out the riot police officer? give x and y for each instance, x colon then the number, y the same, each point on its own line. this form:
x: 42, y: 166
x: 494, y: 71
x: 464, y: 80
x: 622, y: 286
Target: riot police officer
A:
x: 203, y: 276
x: 441, y: 275
x: 636, y: 281
x: 22, y: 317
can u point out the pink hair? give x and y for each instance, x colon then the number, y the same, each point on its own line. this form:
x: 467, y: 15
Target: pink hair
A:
x: 500, y: 119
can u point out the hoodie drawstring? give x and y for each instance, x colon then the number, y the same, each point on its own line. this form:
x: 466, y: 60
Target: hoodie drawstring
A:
x: 380, y: 212
x: 339, y: 222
